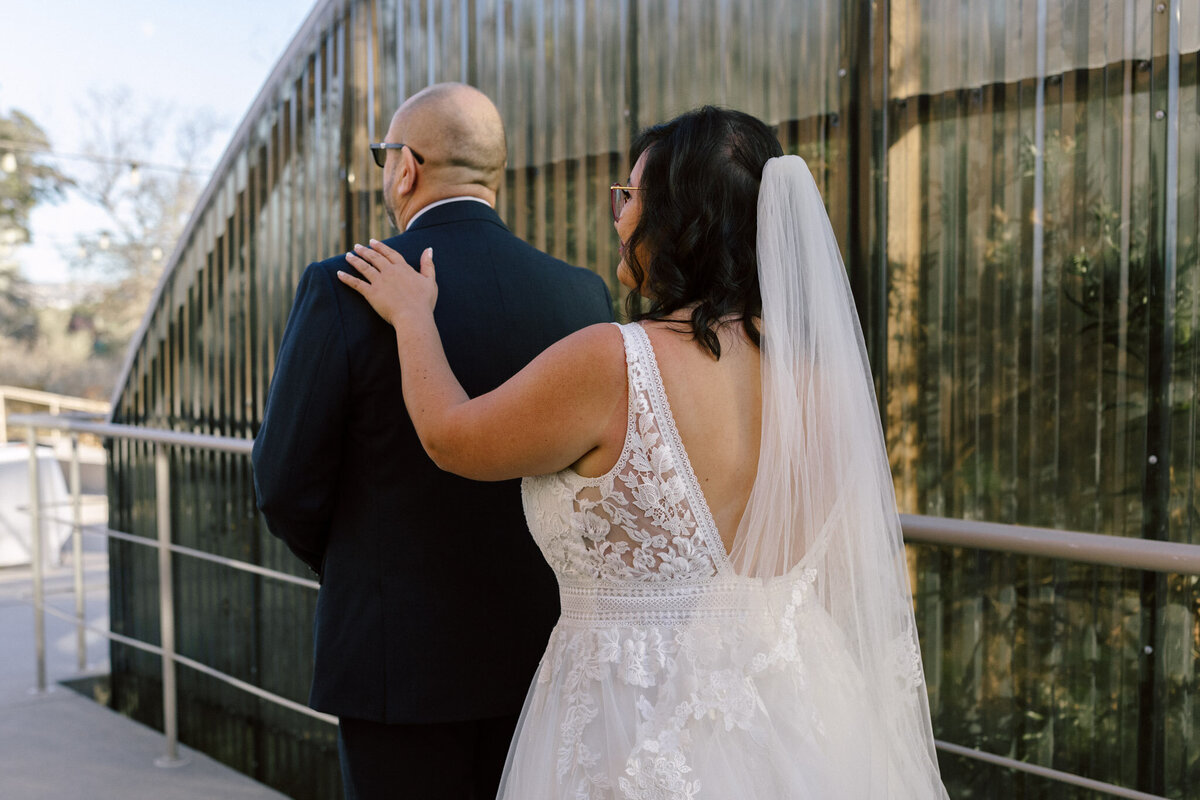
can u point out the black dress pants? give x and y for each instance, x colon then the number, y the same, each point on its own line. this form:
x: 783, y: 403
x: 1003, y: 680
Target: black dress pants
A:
x: 440, y: 761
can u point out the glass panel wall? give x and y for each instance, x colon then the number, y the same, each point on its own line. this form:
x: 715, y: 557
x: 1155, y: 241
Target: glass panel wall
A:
x: 1041, y: 370
x: 1014, y: 185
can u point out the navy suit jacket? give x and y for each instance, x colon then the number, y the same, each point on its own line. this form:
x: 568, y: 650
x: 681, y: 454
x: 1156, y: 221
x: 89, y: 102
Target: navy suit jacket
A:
x: 435, y: 604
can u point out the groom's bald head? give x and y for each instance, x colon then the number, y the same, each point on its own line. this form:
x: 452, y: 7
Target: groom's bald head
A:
x: 458, y: 132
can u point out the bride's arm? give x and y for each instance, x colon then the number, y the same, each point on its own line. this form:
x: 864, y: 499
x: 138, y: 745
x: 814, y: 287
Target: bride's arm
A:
x: 543, y: 419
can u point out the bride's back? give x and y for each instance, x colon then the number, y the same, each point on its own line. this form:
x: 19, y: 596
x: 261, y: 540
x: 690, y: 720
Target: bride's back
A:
x: 717, y: 406
x: 687, y: 222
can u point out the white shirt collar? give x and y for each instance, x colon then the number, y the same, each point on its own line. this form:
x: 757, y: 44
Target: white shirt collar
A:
x: 437, y: 203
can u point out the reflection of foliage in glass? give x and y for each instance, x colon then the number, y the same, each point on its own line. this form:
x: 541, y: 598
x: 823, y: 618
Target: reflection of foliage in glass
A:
x: 1038, y: 416
x: 1095, y: 288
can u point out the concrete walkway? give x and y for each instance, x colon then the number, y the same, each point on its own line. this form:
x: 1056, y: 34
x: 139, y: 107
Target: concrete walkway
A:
x: 63, y: 745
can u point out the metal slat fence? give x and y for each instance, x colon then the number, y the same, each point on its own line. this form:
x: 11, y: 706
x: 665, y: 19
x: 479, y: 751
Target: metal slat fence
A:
x: 1150, y: 556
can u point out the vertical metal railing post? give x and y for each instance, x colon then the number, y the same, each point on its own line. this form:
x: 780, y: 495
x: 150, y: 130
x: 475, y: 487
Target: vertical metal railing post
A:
x: 35, y: 549
x: 77, y: 556
x: 166, y: 607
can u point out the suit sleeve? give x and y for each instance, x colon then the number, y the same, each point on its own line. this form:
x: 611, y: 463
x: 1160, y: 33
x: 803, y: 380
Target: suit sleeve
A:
x: 297, y: 452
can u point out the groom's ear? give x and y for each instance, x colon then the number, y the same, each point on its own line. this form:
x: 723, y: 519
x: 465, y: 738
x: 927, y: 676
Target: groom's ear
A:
x: 407, y: 182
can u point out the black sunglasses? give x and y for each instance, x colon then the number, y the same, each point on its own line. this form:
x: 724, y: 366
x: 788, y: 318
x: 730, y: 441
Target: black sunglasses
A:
x: 379, y: 152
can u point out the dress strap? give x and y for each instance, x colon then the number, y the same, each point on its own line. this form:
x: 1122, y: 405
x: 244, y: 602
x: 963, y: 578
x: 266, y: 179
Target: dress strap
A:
x: 634, y: 337
x: 646, y: 377
x: 642, y: 373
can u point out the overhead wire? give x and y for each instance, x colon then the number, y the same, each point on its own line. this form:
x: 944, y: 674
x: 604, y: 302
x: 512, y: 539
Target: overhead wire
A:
x: 132, y: 163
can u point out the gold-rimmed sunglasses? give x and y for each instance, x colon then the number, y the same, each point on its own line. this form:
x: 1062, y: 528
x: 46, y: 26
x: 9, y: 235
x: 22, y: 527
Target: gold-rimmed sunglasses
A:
x: 379, y: 151
x: 618, y: 196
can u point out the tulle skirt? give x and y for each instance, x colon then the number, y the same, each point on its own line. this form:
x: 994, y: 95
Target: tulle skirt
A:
x: 746, y: 707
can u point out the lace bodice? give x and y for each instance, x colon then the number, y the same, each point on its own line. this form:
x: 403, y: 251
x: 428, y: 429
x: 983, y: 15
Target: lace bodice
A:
x: 645, y: 521
x: 665, y: 660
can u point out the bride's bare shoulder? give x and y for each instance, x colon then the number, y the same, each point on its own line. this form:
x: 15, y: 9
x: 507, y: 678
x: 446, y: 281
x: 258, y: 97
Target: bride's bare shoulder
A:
x: 602, y: 335
x: 596, y: 339
x: 597, y: 350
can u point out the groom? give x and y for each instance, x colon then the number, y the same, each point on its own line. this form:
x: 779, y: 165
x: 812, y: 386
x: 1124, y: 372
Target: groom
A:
x: 435, y: 604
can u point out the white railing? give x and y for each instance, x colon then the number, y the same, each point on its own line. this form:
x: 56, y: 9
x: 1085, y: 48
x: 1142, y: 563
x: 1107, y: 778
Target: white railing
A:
x: 166, y: 551
x: 1092, y: 548
x: 55, y: 403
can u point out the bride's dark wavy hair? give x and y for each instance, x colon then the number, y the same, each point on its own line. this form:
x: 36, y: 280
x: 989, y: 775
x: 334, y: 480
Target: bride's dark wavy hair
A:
x: 699, y: 221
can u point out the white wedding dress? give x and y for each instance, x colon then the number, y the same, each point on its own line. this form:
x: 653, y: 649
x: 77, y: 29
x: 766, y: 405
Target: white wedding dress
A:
x: 669, y: 676
x: 785, y: 669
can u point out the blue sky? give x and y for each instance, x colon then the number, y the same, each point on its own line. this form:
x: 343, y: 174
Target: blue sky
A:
x: 213, y: 54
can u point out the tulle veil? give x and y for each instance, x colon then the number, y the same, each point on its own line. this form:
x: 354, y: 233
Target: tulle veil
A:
x: 823, y: 500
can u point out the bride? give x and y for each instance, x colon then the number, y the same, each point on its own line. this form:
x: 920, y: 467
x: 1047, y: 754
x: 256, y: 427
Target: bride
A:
x: 711, y: 490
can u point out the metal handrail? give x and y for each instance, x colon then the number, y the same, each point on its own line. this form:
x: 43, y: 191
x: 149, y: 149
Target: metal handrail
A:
x: 201, y: 441
x: 37, y: 397
x: 1045, y: 772
x: 161, y: 439
x: 55, y: 402
x: 196, y: 665
x: 225, y: 561
x: 1091, y: 548
x: 1174, y: 558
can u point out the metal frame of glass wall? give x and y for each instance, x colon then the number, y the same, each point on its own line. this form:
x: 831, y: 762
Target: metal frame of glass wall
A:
x: 1014, y: 185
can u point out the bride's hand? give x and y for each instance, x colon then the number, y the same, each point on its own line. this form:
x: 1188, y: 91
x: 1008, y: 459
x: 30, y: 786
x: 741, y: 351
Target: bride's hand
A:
x: 394, y: 289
